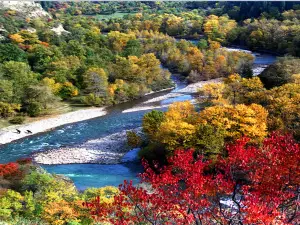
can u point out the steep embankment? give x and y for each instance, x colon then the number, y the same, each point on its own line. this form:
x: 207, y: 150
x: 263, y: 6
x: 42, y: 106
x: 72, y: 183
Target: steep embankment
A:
x: 29, y: 9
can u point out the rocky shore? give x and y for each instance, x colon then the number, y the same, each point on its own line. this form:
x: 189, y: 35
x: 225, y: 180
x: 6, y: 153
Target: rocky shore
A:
x: 106, y: 150
x: 179, y: 95
x: 193, y: 88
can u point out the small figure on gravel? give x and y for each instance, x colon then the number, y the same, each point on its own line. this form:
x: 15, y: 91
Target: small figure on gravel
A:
x: 18, y: 131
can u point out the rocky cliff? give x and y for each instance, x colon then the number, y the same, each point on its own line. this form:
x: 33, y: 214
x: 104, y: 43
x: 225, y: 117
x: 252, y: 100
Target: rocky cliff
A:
x: 27, y: 8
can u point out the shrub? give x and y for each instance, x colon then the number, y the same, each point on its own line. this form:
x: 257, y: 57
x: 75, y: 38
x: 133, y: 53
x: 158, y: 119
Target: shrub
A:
x: 24, y: 161
x: 133, y: 140
x: 68, y: 90
x: 152, y: 121
x: 7, y: 109
x: 34, y: 109
x: 17, y: 120
x: 280, y: 72
x: 93, y: 100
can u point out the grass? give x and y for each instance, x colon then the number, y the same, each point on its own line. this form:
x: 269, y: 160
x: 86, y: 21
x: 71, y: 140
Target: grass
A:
x: 4, y: 123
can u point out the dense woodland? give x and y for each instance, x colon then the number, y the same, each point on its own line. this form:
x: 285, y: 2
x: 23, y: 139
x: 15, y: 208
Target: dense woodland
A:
x: 232, y: 158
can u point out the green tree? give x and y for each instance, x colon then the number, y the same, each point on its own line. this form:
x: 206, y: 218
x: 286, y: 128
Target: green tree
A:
x: 202, y: 44
x: 29, y: 205
x: 40, y: 56
x: 74, y: 48
x: 133, y: 139
x: 68, y: 90
x: 209, y: 141
x: 96, y: 81
x: 38, y: 99
x: 152, y: 121
x: 280, y: 72
x: 6, y: 91
x: 133, y: 47
x: 64, y: 69
x: 10, y: 204
x: 11, y: 52
x: 20, y: 75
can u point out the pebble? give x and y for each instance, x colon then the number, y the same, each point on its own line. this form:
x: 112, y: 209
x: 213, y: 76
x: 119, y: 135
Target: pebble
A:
x: 106, y: 150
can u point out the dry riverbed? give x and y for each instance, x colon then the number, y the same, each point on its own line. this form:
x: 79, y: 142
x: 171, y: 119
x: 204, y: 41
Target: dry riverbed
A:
x: 106, y: 150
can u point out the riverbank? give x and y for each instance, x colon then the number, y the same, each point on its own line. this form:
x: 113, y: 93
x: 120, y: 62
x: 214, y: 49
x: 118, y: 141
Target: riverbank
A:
x: 177, y: 95
x: 194, y: 87
x: 106, y: 150
x: 10, y: 133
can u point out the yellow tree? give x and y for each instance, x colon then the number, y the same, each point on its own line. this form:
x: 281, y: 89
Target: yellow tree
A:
x: 119, y: 40
x: 283, y: 104
x: 50, y: 82
x: 212, y: 93
x: 211, y: 25
x: 106, y: 194
x: 238, y: 121
x: 216, y: 28
x: 17, y: 38
x: 242, y: 90
x: 195, y: 58
x: 178, y: 127
x: 60, y: 213
x: 296, y: 78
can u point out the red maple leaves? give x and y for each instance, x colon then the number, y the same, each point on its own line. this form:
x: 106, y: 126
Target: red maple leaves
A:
x: 9, y: 169
x: 12, y: 169
x: 253, y: 185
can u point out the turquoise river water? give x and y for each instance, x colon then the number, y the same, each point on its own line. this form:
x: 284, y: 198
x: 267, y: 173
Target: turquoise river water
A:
x: 95, y: 175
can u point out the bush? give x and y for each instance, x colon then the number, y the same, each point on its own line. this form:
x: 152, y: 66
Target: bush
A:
x: 34, y: 109
x: 7, y: 110
x: 209, y: 141
x: 93, y: 100
x: 133, y: 139
x: 17, y: 120
x: 68, y: 90
x: 152, y: 121
x: 280, y: 72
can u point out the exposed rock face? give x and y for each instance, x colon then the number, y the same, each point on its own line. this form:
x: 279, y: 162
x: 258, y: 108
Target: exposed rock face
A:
x: 29, y: 8
x: 59, y: 30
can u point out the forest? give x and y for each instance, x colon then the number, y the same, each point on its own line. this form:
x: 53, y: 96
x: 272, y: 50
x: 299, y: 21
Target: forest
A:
x: 232, y: 157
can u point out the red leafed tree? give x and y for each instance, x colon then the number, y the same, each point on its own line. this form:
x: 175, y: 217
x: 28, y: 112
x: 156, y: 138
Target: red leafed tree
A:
x: 253, y: 185
x: 9, y: 169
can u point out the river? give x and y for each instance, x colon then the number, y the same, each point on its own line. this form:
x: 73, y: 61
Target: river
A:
x: 123, y: 116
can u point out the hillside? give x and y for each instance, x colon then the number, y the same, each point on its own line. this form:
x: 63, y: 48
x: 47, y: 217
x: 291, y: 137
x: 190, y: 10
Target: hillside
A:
x: 27, y: 8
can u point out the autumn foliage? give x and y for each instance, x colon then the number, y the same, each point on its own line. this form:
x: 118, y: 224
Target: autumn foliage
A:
x: 253, y: 185
x: 8, y: 169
